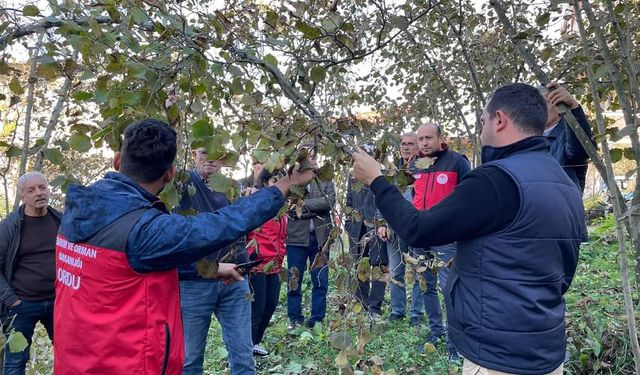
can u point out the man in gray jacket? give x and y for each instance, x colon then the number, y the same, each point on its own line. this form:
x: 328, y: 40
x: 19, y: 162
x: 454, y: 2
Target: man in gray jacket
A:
x: 27, y: 264
x: 306, y: 236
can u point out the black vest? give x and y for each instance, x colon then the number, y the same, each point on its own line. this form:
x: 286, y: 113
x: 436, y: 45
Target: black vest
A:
x: 506, y: 307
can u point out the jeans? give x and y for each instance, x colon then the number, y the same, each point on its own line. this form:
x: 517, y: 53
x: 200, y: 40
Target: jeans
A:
x: 430, y: 296
x: 198, y: 300
x: 27, y: 314
x: 370, y: 293
x: 299, y: 256
x: 266, y: 293
x: 395, y: 248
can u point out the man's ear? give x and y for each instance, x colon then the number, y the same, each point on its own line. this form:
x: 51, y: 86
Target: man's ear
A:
x: 501, y: 120
x: 169, y: 174
x: 116, y: 161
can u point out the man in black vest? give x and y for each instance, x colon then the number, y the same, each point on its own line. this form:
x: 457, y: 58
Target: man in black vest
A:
x: 27, y: 266
x: 516, y: 255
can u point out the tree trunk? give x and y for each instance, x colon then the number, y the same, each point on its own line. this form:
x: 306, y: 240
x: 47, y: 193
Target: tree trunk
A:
x: 618, y: 206
x: 28, y: 111
x: 53, y: 121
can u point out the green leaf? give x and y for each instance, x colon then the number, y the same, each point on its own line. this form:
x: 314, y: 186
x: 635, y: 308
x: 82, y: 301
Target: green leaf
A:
x: 276, y: 161
x: 616, y: 154
x: 220, y: 183
x: 53, y: 155
x: 318, y: 73
x: 13, y: 152
x: 17, y: 342
x: 340, y: 340
x: 601, y: 71
x: 82, y: 95
x: 30, y: 11
x: 309, y: 32
x: 326, y: 173
x: 15, y: 87
x: 138, y: 15
x: 543, y: 19
x: 201, y: 128
x: 270, y: 59
x: 80, y: 142
x: 629, y: 154
x: 271, y: 18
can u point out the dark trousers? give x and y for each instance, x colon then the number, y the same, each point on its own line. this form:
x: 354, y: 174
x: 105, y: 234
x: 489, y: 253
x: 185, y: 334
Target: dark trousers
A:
x: 299, y: 257
x: 266, y: 293
x: 23, y: 318
x: 370, y: 293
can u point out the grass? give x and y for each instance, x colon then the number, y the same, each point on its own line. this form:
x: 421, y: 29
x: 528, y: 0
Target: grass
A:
x: 596, y: 325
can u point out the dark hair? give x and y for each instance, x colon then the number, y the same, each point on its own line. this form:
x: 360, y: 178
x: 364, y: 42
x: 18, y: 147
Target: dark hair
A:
x: 523, y: 103
x: 265, y: 175
x: 148, y: 150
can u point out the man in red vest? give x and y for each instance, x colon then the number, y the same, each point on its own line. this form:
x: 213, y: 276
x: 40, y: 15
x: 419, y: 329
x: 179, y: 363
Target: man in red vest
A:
x: 117, y: 308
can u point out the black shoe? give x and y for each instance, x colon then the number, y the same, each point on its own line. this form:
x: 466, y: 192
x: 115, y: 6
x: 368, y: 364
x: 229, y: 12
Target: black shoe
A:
x: 260, y: 351
x: 311, y: 323
x: 433, y: 339
x: 416, y: 321
x: 293, y: 325
x: 395, y: 317
x: 454, y: 357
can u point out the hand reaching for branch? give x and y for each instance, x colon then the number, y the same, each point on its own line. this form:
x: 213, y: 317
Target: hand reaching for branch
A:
x: 365, y: 167
x: 382, y: 233
x: 558, y: 94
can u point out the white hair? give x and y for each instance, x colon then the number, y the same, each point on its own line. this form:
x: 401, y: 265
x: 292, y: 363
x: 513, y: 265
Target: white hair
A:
x: 26, y: 177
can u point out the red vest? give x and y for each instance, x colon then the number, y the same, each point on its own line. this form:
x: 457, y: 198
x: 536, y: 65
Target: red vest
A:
x: 271, y: 237
x: 109, y: 319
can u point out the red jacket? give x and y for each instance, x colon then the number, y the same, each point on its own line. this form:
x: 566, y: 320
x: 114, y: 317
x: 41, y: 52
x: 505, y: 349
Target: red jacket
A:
x: 271, y: 237
x: 135, y: 323
x: 433, y: 184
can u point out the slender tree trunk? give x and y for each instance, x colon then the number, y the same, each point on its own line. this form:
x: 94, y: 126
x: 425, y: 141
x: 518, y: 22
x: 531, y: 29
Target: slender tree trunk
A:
x: 618, y: 206
x: 53, y: 120
x: 627, y: 107
x: 29, y: 109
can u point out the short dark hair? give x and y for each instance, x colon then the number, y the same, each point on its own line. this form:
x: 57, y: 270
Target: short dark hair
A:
x: 523, y: 103
x: 148, y: 150
x: 265, y: 175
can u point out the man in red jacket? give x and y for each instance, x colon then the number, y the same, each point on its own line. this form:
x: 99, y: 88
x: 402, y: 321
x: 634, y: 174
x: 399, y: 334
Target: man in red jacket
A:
x: 437, y: 171
x: 117, y: 308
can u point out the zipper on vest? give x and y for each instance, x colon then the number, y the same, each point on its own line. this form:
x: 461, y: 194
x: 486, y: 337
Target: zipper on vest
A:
x: 167, y: 348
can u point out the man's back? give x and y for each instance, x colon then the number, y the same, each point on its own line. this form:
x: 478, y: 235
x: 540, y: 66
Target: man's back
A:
x: 506, y: 287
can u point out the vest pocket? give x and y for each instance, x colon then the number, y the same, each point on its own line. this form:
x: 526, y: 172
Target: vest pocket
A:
x: 167, y: 349
x: 455, y: 305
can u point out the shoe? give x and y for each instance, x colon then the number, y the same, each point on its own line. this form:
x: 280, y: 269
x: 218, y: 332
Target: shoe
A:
x: 416, y: 321
x: 259, y: 351
x: 375, y: 317
x: 293, y: 325
x: 454, y: 357
x: 433, y: 339
x: 395, y: 317
x: 311, y: 323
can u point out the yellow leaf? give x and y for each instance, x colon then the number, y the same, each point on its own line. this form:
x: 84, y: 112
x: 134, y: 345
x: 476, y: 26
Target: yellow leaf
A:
x: 207, y: 268
x: 342, y: 360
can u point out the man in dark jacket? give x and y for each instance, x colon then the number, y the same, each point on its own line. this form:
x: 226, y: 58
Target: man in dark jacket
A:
x: 516, y: 255
x: 201, y: 297
x: 565, y: 146
x: 396, y: 247
x: 364, y: 242
x: 27, y: 263
x: 306, y: 236
x: 117, y: 253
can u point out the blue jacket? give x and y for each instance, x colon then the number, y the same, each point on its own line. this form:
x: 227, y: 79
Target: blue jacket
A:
x: 567, y: 149
x: 206, y: 200
x: 159, y: 240
x: 505, y: 302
